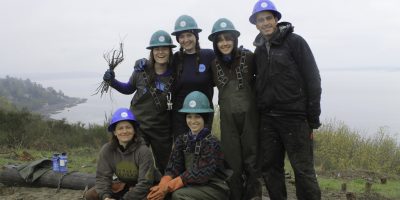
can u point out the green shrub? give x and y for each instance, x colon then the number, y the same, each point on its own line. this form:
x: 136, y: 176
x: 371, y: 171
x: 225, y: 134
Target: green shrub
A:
x: 24, y: 129
x: 337, y: 147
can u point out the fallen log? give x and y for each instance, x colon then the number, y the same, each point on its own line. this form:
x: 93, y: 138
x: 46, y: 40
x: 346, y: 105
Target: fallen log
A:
x: 72, y: 180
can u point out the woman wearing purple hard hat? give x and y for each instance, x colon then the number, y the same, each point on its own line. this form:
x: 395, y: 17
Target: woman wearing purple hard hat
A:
x: 128, y: 158
x: 288, y: 88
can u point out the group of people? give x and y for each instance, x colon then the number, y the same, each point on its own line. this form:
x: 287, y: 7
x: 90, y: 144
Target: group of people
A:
x: 162, y: 147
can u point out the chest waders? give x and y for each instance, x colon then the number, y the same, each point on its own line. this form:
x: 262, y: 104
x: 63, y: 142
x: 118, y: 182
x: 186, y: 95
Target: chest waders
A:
x: 239, y: 128
x: 155, y: 126
x: 217, y: 184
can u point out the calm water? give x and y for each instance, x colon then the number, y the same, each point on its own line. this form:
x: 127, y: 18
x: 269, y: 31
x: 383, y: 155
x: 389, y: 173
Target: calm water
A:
x: 365, y: 100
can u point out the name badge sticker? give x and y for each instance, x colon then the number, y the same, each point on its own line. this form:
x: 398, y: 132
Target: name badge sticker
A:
x: 202, y: 68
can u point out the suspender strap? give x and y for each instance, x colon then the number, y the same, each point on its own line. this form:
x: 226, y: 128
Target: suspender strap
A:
x: 185, y: 140
x: 239, y: 70
x: 153, y: 90
x: 222, y: 79
x: 168, y: 85
x: 197, y: 148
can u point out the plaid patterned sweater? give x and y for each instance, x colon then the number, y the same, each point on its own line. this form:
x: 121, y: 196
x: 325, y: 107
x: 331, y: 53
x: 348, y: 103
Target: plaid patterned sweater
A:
x: 209, y: 160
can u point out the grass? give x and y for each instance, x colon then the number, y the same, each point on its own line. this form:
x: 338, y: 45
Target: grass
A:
x: 389, y: 190
x: 79, y: 159
x: 356, y: 184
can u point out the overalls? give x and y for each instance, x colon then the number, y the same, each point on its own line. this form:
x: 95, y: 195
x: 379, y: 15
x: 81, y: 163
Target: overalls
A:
x: 239, y: 125
x: 215, y: 189
x: 155, y: 125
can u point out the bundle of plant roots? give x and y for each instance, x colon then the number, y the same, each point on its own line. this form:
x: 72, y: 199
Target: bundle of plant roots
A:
x: 113, y: 58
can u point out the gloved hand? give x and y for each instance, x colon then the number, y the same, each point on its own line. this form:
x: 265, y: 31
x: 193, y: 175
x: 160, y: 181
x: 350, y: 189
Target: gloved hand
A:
x: 140, y: 65
x: 175, y: 184
x: 158, y: 192
x: 161, y: 190
x: 109, y: 75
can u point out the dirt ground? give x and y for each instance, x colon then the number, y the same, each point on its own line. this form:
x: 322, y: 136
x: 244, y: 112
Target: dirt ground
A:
x: 30, y: 193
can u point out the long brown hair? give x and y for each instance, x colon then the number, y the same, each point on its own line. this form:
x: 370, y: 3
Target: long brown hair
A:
x: 150, y: 69
x: 228, y: 36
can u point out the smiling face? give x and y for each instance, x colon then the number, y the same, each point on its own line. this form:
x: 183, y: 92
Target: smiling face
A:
x: 124, y: 131
x: 161, y: 54
x: 266, y: 23
x: 195, y: 122
x: 225, y: 44
x: 187, y: 41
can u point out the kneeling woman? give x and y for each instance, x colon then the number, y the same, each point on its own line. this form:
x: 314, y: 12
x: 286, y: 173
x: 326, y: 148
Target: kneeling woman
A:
x: 195, y: 168
x: 128, y: 158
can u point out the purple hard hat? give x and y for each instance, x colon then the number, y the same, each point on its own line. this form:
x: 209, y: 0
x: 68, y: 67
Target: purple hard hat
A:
x: 264, y: 5
x: 122, y: 114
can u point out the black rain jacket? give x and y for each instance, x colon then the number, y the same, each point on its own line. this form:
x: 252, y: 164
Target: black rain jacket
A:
x: 288, y: 80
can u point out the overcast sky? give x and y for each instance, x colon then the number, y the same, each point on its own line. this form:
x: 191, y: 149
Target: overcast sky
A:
x: 53, y: 36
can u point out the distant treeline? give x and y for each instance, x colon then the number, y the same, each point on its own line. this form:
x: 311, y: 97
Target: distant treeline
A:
x: 33, y: 96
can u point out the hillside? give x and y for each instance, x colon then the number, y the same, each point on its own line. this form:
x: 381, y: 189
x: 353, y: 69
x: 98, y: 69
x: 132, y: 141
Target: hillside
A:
x: 33, y: 96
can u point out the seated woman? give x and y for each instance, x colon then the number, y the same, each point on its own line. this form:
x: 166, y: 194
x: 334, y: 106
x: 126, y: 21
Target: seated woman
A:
x: 128, y: 158
x: 196, y: 167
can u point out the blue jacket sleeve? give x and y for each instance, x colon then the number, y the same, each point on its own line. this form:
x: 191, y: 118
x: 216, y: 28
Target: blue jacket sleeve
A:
x: 124, y: 88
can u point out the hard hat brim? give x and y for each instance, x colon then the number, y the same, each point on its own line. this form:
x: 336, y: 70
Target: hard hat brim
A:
x: 166, y: 45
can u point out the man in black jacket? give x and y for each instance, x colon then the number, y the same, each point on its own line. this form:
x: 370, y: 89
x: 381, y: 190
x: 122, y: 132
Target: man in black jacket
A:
x: 288, y: 88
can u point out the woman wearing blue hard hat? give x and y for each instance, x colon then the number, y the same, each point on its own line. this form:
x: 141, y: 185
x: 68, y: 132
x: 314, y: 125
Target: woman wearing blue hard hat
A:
x: 233, y: 71
x: 128, y: 158
x: 196, y: 168
x: 288, y: 88
x: 193, y: 70
x: 151, y: 81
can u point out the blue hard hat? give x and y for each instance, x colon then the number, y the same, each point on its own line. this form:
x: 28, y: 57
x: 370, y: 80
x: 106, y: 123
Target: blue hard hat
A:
x: 122, y: 114
x: 264, y: 5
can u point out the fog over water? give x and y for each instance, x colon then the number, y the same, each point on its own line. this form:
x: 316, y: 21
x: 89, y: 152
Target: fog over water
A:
x: 365, y: 100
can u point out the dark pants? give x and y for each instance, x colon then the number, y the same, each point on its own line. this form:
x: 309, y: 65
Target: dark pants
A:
x: 239, y: 145
x: 201, y: 192
x: 289, y: 134
x: 161, y: 148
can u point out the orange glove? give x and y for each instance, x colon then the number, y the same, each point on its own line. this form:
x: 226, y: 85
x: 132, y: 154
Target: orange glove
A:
x: 159, y: 191
x: 175, y: 184
x: 164, y: 180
